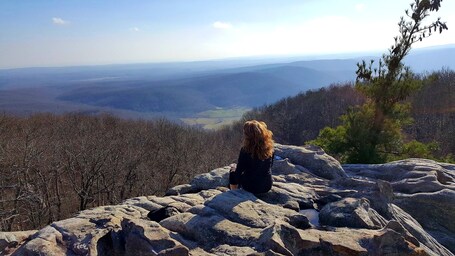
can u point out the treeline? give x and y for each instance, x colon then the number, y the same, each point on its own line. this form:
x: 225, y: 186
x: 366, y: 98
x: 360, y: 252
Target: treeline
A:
x: 52, y: 166
x: 298, y: 119
x: 433, y: 111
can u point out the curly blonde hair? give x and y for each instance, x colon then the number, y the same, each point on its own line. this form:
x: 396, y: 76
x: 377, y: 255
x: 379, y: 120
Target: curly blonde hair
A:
x: 257, y: 139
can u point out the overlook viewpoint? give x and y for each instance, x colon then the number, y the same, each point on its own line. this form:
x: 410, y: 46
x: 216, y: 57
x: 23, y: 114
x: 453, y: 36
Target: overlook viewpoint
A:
x: 316, y: 207
x: 121, y: 123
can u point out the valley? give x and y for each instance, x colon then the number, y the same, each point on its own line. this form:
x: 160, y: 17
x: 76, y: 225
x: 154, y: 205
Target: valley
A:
x: 205, y: 93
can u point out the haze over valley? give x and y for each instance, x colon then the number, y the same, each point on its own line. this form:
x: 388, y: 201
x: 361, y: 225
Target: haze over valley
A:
x: 204, y: 93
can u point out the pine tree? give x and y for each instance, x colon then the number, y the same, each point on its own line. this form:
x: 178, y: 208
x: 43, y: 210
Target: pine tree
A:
x: 371, y: 133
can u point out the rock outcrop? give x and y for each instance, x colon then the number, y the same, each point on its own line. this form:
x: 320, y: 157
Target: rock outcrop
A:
x: 313, y: 158
x: 423, y: 188
x: 316, y: 207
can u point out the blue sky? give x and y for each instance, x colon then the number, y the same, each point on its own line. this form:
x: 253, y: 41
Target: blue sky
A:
x: 70, y: 32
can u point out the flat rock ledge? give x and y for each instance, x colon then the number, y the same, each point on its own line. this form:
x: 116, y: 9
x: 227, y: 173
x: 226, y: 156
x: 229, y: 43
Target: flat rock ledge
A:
x: 315, y: 207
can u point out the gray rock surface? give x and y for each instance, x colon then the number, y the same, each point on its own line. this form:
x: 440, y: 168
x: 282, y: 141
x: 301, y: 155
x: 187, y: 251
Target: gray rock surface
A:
x: 144, y: 237
x: 10, y: 240
x: 351, y: 212
x: 313, y: 158
x: 216, y: 178
x: 413, y: 228
x: 435, y: 211
x: 423, y: 188
x: 401, y: 208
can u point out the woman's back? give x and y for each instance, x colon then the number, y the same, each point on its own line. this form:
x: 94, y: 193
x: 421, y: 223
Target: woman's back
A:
x: 253, y: 172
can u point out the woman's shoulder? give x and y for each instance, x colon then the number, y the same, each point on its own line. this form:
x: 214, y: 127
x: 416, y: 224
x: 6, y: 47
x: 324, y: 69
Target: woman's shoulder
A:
x: 244, y: 152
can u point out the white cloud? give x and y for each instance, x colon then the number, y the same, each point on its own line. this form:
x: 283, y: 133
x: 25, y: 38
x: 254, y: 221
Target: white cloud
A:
x: 360, y: 7
x: 59, y: 21
x: 135, y: 29
x: 222, y: 25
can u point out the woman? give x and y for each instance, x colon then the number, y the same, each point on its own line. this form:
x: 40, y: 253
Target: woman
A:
x: 253, y: 172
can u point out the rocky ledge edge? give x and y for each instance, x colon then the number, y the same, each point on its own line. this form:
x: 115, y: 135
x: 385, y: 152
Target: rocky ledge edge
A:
x: 316, y: 207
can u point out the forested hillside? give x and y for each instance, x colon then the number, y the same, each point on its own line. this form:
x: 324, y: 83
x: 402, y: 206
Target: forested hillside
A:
x: 433, y: 110
x: 52, y: 166
x: 296, y: 120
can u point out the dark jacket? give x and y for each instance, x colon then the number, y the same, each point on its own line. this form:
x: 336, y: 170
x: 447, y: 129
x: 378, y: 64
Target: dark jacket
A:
x: 252, y: 174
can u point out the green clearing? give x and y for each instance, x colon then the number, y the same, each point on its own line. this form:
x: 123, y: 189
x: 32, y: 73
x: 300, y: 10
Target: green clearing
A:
x: 216, y: 118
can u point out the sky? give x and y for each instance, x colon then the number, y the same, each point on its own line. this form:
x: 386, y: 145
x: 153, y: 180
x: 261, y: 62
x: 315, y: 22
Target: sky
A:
x: 35, y: 33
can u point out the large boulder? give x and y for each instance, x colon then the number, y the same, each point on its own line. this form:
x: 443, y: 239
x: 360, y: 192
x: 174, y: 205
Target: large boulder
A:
x: 143, y: 237
x: 286, y: 240
x: 209, y: 229
x: 10, y: 240
x: 351, y: 212
x: 234, y: 212
x: 285, y: 167
x: 409, y: 176
x: 180, y: 189
x: 421, y: 187
x: 245, y: 208
x: 79, y: 235
x: 407, y: 224
x: 213, y: 179
x: 49, y: 241
x: 390, y: 242
x: 435, y: 211
x: 312, y: 158
x: 290, y: 195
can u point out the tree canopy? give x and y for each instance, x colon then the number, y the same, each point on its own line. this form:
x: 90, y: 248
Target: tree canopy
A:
x: 371, y: 133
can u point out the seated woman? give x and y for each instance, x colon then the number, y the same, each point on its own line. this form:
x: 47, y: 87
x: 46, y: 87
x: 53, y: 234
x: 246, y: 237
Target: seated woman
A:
x: 253, y: 171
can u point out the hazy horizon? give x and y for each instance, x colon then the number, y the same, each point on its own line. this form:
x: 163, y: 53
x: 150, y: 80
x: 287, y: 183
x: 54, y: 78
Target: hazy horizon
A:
x: 260, y: 59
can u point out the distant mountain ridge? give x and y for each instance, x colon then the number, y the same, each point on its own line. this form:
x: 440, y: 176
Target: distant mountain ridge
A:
x: 246, y: 88
x: 184, y: 89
